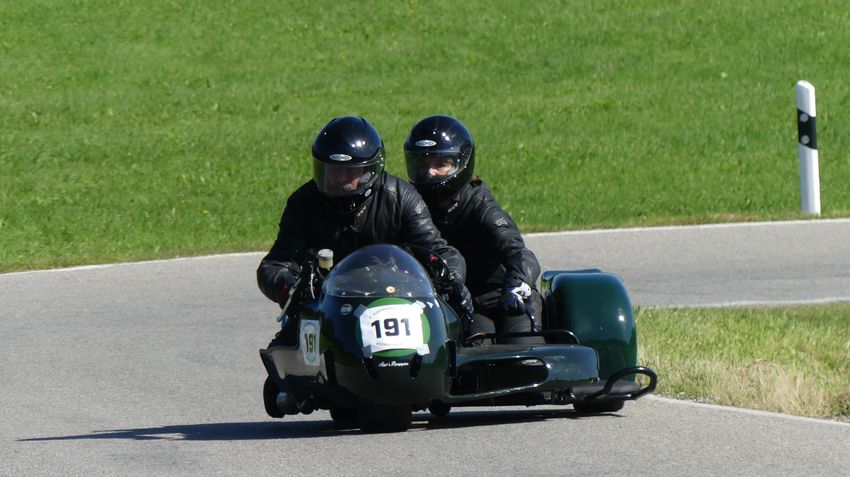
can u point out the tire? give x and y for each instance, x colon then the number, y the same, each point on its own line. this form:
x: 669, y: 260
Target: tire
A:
x: 344, y: 416
x: 270, y: 393
x: 383, y: 418
x: 599, y: 407
x: 439, y: 408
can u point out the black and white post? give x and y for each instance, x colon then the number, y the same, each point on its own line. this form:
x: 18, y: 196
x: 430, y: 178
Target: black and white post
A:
x: 808, y: 148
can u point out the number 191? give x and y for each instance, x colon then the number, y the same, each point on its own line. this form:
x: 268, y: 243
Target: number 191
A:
x: 389, y: 327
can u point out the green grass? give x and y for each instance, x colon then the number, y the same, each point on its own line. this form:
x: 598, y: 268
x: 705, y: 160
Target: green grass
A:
x: 791, y: 360
x: 132, y: 130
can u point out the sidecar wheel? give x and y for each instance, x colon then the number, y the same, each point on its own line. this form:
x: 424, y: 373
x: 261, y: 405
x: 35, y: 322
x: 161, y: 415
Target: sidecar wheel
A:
x: 270, y: 393
x: 439, y: 408
x: 384, y: 418
x: 599, y: 407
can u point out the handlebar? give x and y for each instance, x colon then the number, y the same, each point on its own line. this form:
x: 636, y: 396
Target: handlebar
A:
x: 307, y: 287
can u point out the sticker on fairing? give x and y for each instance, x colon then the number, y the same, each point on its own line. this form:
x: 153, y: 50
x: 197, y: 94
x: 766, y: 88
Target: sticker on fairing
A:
x: 309, y: 342
x: 392, y: 327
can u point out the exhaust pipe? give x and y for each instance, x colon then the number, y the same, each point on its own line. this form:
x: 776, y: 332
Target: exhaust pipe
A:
x: 286, y: 403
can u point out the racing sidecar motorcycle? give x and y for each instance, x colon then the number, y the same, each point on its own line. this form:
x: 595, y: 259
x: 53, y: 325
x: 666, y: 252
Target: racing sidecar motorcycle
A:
x: 371, y: 340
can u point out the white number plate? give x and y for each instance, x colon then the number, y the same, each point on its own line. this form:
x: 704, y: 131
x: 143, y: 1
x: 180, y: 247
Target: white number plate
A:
x: 309, y: 337
x: 389, y: 327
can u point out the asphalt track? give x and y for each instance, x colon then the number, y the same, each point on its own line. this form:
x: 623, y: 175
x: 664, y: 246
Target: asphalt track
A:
x: 152, y: 369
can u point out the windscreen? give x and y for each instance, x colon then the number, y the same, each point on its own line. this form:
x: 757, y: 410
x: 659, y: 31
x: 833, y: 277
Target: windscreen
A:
x: 379, y: 270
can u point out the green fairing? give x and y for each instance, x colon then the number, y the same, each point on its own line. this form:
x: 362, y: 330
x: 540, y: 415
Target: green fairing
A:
x: 596, y: 307
x: 341, y: 335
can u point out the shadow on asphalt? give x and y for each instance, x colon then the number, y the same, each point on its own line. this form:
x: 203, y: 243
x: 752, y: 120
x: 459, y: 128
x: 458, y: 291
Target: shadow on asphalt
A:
x: 282, y: 429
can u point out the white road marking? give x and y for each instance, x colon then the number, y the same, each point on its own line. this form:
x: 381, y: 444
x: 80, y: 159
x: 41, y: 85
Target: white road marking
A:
x: 687, y: 227
x: 535, y: 234
x: 752, y: 412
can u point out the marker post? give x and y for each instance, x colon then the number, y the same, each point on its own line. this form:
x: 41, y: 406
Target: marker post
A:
x: 807, y: 147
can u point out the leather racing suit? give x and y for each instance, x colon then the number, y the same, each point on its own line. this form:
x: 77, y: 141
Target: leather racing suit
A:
x: 473, y: 222
x: 394, y: 214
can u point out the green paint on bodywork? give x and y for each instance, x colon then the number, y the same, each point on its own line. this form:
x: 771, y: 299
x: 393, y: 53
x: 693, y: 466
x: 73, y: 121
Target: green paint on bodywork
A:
x: 596, y: 307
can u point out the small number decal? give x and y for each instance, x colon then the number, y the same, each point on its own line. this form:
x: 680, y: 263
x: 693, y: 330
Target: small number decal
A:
x: 309, y: 342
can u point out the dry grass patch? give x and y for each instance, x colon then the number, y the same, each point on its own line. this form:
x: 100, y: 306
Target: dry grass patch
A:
x: 789, y: 360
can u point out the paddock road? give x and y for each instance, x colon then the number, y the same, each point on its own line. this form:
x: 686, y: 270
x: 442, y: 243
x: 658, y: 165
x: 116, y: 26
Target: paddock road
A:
x: 152, y: 369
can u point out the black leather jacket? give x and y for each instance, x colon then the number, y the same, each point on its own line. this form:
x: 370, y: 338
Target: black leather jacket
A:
x: 473, y: 222
x: 394, y: 214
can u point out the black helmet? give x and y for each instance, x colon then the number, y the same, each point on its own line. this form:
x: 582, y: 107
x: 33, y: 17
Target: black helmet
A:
x: 348, y: 159
x: 439, y: 142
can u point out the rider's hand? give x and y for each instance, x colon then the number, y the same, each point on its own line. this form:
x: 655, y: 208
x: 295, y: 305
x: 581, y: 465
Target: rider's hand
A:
x: 287, y: 277
x: 514, y: 294
x: 461, y: 299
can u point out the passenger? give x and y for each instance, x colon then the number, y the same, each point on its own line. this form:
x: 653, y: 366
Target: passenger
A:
x: 352, y: 202
x: 501, y: 271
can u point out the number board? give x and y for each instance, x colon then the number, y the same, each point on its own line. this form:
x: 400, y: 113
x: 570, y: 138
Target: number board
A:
x: 392, y: 327
x: 309, y: 342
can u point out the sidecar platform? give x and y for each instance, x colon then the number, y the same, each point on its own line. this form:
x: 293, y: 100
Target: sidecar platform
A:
x: 492, y: 371
x: 539, y: 374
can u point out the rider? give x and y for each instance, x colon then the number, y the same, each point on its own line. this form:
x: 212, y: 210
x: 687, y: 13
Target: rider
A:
x: 352, y: 202
x: 502, y: 272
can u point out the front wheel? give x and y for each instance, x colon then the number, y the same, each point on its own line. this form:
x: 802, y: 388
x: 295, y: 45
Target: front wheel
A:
x: 599, y: 407
x: 439, y: 408
x: 344, y: 416
x: 270, y: 393
x: 384, y: 418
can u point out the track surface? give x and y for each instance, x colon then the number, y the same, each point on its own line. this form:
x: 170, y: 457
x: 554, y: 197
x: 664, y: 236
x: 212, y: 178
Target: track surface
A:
x: 152, y: 369
x: 714, y: 265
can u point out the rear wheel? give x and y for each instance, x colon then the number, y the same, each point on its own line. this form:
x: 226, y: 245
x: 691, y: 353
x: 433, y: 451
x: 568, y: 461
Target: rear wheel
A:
x: 384, y: 418
x: 598, y: 407
x: 270, y: 393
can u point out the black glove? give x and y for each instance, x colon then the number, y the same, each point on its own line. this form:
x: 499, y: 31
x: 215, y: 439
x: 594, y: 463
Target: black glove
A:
x: 287, y: 277
x: 461, y: 299
x: 514, y: 294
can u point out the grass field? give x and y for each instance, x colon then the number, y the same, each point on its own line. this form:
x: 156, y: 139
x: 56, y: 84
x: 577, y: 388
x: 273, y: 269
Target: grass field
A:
x: 132, y: 130
x: 790, y: 360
